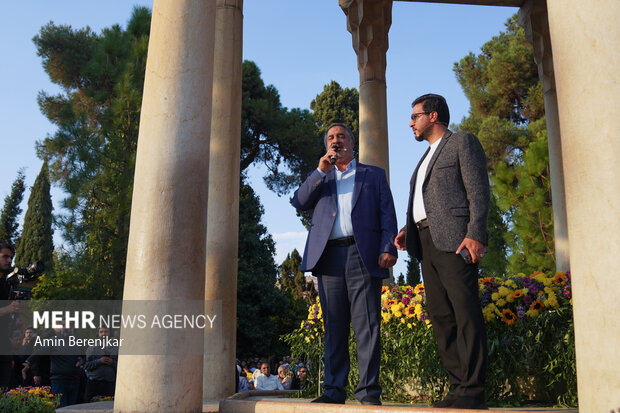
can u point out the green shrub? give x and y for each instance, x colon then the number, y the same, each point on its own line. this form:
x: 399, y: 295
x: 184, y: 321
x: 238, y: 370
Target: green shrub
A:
x: 530, y: 336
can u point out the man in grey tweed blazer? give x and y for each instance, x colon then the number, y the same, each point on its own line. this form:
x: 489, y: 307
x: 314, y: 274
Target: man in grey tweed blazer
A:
x: 446, y: 231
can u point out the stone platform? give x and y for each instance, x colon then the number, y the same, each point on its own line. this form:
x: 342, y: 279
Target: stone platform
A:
x: 277, y: 402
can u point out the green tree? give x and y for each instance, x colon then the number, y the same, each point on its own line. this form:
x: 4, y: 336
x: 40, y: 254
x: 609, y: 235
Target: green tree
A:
x: 36, y: 243
x: 495, y: 261
x: 293, y: 280
x: 507, y: 115
x: 92, y: 153
x: 335, y: 104
x: 263, y: 311
x: 525, y: 191
x: 11, y: 210
x: 413, y: 272
x: 285, y: 141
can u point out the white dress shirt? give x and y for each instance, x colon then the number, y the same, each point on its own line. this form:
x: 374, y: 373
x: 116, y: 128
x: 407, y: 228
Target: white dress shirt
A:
x: 419, y: 213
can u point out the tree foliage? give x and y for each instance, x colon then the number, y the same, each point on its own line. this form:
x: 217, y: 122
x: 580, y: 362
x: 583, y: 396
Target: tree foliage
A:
x: 285, y: 141
x: 12, y: 209
x: 335, y: 104
x: 92, y: 153
x: 413, y: 272
x: 263, y: 311
x: 507, y: 114
x: 36, y: 243
x: 525, y: 192
x: 293, y: 280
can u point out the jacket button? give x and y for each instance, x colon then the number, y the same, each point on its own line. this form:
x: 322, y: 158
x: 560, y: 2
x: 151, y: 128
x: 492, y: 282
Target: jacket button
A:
x: 333, y: 214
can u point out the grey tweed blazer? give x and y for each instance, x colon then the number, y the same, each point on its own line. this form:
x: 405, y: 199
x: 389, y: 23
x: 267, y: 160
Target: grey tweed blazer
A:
x: 456, y: 194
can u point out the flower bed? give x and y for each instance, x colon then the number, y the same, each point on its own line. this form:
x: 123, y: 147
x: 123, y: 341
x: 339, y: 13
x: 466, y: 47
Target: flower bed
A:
x: 530, y: 336
x: 28, y: 400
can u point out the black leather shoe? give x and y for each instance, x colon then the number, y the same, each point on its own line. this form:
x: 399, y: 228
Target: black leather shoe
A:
x: 326, y: 399
x: 447, y: 402
x: 370, y: 401
x: 469, y: 403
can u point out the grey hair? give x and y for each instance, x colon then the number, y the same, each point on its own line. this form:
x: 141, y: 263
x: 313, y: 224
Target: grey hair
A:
x: 282, y: 368
x: 346, y: 128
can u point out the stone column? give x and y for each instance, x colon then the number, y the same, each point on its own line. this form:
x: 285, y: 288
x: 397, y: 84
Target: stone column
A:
x: 586, y: 56
x: 369, y: 22
x: 223, y: 216
x: 533, y: 17
x: 167, y: 238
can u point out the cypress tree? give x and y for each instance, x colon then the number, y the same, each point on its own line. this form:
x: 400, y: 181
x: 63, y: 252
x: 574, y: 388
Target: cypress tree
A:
x: 36, y: 242
x: 11, y: 210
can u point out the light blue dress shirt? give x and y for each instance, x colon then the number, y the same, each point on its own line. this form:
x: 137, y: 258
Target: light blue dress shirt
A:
x: 345, y: 181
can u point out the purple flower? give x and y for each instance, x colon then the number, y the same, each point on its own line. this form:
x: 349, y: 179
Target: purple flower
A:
x: 406, y: 300
x: 520, y: 311
x: 527, y: 299
x: 423, y: 317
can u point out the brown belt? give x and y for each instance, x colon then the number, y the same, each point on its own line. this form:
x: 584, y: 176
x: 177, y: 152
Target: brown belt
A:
x: 422, y: 224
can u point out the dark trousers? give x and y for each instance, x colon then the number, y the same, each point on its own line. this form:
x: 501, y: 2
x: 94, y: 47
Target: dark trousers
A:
x: 349, y: 295
x: 99, y: 388
x: 68, y: 389
x: 452, y: 302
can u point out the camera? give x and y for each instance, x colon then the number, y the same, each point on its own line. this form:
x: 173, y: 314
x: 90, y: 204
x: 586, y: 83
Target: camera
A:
x: 22, y: 275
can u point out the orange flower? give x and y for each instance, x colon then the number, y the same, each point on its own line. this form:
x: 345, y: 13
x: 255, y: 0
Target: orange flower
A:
x: 537, y: 305
x: 560, y: 278
x: 508, y: 316
x: 517, y: 294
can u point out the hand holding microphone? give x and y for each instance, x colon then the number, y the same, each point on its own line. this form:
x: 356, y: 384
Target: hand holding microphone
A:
x: 334, y: 158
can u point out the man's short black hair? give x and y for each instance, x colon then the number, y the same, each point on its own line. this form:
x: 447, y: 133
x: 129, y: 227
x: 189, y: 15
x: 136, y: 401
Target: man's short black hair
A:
x: 8, y: 246
x: 435, y: 103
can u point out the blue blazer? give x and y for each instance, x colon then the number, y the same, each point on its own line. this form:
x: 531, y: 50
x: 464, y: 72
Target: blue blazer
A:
x: 373, y: 215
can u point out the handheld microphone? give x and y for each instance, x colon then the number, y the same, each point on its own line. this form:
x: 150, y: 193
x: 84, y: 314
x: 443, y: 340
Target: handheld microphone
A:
x: 334, y: 158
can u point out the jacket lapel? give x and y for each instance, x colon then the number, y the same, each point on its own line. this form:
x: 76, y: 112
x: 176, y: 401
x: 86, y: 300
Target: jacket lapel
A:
x: 360, y: 175
x: 444, y: 140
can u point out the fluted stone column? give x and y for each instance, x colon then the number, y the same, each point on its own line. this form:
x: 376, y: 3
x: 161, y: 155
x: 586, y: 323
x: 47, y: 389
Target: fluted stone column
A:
x: 167, y: 238
x: 533, y: 17
x: 369, y: 23
x: 586, y: 56
x: 223, y: 216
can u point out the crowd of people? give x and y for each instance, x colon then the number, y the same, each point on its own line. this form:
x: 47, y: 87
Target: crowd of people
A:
x: 23, y: 363
x: 256, y: 374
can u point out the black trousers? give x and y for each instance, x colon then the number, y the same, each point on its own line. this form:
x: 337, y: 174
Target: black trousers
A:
x: 454, y: 308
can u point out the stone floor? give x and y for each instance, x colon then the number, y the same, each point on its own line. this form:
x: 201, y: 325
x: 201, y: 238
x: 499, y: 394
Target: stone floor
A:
x: 275, y: 402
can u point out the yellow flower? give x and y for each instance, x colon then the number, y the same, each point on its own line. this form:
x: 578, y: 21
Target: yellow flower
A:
x: 495, y: 296
x: 409, y: 325
x: 307, y: 339
x: 386, y: 317
x: 501, y: 302
x: 537, y: 305
x: 503, y: 291
x: 402, y: 321
x: 531, y: 313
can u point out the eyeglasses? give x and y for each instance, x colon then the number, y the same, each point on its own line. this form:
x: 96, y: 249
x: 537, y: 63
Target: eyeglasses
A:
x: 414, y: 116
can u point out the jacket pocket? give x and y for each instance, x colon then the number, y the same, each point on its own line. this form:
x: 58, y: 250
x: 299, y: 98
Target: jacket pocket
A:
x: 460, y: 211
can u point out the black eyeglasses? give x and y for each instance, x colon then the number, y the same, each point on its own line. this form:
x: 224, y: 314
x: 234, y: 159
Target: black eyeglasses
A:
x: 414, y: 116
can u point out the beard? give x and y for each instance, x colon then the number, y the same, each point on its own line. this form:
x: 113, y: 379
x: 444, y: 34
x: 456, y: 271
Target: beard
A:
x: 423, y: 135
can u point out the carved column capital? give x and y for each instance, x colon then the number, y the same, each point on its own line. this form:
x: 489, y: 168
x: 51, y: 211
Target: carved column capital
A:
x: 369, y: 22
x: 533, y: 17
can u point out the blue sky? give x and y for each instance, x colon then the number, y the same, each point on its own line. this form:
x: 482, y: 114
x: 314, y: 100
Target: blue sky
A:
x: 299, y: 46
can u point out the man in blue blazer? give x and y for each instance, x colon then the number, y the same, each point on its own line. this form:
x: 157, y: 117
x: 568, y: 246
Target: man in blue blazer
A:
x: 350, y: 248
